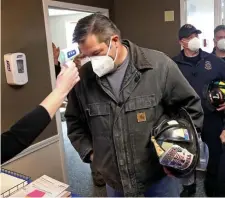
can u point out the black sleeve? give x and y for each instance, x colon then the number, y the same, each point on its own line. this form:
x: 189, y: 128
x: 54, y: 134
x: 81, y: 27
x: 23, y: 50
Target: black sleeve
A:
x: 23, y: 133
x: 179, y: 94
x: 223, y: 78
x: 78, y: 131
x: 57, y: 69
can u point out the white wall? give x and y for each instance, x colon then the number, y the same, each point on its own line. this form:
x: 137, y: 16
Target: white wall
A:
x: 223, y: 11
x: 202, y: 17
x: 44, y: 161
x: 58, y: 27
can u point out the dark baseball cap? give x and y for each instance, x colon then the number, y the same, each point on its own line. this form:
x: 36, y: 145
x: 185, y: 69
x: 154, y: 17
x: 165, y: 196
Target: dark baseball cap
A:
x: 187, y: 30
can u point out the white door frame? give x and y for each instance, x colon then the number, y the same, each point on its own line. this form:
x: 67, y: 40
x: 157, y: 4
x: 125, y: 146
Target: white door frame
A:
x: 217, y: 12
x: 183, y: 12
x: 68, y: 6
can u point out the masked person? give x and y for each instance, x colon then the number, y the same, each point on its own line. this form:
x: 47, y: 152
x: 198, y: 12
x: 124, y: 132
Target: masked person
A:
x: 219, y: 51
x: 219, y: 41
x: 123, y: 92
x: 200, y: 68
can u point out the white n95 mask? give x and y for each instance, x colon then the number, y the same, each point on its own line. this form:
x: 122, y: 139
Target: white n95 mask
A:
x: 194, y: 44
x: 221, y: 44
x: 102, y: 65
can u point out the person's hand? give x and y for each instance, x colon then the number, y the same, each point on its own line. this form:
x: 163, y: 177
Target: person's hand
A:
x: 65, y: 81
x: 56, y: 52
x: 67, y: 78
x: 222, y: 137
x: 221, y: 108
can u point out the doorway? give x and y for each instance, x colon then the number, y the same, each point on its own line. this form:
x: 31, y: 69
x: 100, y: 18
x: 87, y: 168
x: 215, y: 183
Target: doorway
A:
x: 62, y: 23
x: 60, y: 20
x: 205, y: 18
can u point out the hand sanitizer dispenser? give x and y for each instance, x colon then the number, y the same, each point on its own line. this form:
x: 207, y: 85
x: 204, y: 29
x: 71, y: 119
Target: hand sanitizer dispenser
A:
x: 16, y: 68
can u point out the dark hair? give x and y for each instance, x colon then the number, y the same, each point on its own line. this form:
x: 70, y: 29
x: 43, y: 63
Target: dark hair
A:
x: 219, y: 28
x: 97, y: 24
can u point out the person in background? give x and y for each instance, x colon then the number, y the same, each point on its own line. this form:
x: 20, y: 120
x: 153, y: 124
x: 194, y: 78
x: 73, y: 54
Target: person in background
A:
x: 24, y: 132
x: 219, y: 51
x: 56, y: 52
x: 123, y: 93
x: 219, y: 42
x: 200, y: 68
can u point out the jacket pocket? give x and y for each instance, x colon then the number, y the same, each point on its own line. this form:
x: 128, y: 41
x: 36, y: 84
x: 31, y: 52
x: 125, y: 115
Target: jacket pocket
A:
x: 140, y: 113
x: 141, y: 116
x: 99, y: 115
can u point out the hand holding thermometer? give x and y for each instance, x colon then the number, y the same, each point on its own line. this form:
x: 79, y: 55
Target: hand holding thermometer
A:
x: 68, y: 54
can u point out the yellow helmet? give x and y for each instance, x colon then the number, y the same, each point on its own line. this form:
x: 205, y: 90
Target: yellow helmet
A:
x: 216, y: 93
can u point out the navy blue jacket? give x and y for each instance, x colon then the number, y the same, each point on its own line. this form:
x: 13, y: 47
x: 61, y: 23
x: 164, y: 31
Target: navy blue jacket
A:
x: 207, y: 69
x: 214, y: 52
x: 221, y: 175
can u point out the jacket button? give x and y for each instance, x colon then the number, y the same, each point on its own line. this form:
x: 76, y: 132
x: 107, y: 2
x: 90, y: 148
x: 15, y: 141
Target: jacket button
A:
x: 121, y: 162
x: 137, y: 78
x: 117, y: 135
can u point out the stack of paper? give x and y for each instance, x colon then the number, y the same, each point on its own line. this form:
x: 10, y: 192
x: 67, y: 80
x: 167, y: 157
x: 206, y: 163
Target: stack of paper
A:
x: 43, y: 187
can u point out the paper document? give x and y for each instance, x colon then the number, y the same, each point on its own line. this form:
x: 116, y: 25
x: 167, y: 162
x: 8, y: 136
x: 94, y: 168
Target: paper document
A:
x: 42, y: 187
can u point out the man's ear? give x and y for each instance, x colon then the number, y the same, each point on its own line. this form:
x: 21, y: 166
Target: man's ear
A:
x: 115, y: 38
x: 181, y: 43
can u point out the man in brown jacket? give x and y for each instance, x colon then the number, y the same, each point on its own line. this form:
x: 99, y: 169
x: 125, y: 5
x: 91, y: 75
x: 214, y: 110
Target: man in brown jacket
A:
x: 124, y: 91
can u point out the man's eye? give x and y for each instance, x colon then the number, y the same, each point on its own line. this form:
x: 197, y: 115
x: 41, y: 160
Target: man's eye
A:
x: 96, y: 53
